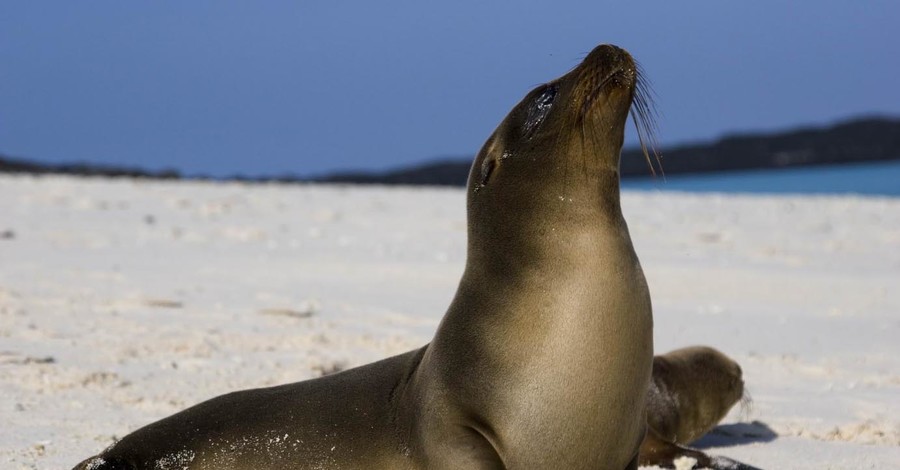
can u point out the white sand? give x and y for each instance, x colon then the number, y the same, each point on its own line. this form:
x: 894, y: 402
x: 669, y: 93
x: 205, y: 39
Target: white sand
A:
x: 122, y: 302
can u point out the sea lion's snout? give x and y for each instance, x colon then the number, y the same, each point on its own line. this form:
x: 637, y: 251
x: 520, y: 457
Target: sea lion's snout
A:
x: 575, y: 121
x: 610, y: 83
x: 736, y: 384
x: 605, y: 82
x: 738, y: 373
x: 609, y: 51
x: 613, y: 64
x: 610, y: 57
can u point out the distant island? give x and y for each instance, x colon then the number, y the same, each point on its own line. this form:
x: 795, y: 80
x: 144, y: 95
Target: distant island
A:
x: 853, y: 141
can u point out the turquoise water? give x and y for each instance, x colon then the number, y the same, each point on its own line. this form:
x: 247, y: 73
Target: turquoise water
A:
x: 882, y: 179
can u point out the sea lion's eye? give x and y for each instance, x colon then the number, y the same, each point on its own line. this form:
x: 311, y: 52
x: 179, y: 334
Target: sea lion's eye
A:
x: 539, y: 109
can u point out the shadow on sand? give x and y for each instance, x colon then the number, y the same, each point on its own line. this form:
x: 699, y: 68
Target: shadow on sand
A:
x: 729, y: 435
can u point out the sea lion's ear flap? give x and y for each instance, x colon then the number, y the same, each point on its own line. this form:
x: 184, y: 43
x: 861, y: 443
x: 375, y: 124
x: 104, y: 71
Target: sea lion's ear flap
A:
x: 487, y: 168
x: 488, y: 156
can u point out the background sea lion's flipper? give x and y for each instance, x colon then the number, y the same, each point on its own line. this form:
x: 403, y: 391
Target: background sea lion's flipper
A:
x: 657, y: 451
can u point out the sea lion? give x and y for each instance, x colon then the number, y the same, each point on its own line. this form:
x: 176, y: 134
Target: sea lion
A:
x: 543, y: 358
x: 691, y: 390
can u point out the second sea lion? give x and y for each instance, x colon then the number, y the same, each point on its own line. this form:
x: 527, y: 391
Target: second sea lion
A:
x: 691, y: 390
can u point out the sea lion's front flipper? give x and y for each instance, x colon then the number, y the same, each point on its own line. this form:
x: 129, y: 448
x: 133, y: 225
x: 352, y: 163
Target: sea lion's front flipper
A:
x: 99, y: 463
x: 657, y: 451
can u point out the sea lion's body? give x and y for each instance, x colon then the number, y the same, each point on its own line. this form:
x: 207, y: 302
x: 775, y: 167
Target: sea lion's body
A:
x: 542, y: 360
x: 691, y: 390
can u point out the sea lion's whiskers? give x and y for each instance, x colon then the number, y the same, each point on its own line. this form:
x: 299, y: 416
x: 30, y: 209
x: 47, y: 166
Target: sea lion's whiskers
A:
x: 595, y: 92
x: 746, y: 405
x: 644, y: 116
x: 595, y: 88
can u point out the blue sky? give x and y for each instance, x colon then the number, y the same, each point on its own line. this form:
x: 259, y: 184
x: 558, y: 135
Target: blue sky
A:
x: 307, y: 86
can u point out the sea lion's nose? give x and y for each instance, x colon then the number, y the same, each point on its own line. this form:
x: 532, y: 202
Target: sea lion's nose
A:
x: 609, y: 53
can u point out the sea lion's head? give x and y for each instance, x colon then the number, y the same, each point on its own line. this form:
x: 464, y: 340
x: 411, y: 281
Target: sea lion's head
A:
x: 577, y: 121
x: 553, y: 163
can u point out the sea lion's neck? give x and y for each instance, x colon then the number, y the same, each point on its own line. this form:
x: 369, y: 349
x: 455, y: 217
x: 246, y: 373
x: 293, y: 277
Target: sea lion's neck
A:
x: 540, y: 277
x: 566, y: 224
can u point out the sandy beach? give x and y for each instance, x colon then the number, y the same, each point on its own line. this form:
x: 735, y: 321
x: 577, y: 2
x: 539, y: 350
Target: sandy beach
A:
x: 124, y: 301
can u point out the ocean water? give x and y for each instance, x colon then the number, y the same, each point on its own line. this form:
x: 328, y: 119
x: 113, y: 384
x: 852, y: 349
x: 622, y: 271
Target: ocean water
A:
x: 877, y: 179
